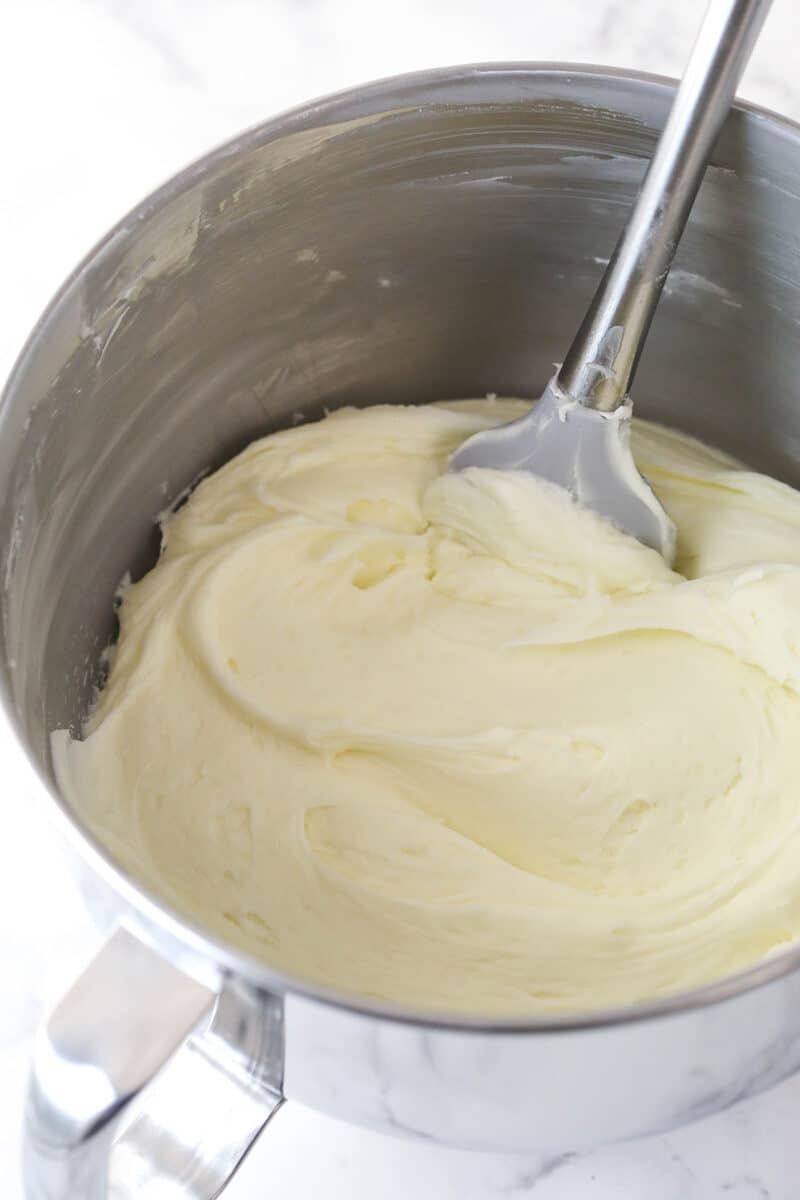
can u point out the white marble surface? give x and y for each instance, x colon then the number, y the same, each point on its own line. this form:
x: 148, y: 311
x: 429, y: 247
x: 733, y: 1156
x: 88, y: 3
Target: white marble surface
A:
x: 103, y: 100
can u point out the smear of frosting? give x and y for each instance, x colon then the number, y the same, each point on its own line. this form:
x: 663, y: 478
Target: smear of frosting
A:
x: 450, y: 740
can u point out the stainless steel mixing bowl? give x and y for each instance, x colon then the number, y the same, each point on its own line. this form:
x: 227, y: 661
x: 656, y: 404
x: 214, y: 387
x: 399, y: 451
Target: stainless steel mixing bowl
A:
x: 392, y: 243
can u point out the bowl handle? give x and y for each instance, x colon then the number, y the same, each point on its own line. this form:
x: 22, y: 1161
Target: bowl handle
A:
x: 109, y: 1037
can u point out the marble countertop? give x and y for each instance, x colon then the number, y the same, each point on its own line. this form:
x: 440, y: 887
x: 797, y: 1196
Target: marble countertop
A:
x: 103, y: 100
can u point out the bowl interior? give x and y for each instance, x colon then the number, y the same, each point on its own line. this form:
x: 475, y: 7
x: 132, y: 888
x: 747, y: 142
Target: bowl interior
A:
x: 428, y: 238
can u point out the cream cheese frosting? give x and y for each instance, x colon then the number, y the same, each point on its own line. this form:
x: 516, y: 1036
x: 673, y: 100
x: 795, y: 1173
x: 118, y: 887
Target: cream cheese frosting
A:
x: 451, y: 740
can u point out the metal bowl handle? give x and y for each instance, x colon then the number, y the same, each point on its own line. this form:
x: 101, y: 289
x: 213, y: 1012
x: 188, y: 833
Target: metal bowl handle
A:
x: 107, y: 1040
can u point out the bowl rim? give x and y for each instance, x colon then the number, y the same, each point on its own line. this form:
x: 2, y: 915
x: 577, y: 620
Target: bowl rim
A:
x: 166, y: 927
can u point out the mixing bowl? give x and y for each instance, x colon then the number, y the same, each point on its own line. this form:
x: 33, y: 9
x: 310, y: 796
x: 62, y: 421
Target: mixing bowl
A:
x: 393, y: 243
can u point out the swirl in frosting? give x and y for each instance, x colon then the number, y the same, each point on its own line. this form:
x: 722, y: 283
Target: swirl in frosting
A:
x: 450, y: 740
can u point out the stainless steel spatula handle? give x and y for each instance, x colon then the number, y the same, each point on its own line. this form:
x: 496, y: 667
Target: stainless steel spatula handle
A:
x: 602, y: 359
